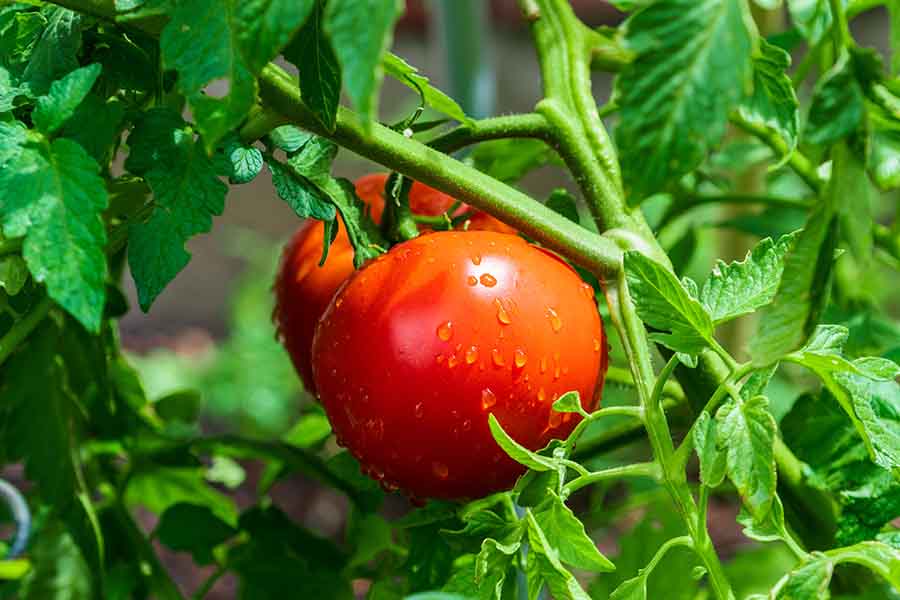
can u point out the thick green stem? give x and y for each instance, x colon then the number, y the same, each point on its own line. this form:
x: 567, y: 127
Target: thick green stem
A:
x: 529, y: 125
x: 649, y: 469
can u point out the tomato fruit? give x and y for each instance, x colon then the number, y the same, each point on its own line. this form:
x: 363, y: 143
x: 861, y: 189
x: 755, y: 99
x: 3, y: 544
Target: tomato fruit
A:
x: 422, y: 343
x: 303, y: 289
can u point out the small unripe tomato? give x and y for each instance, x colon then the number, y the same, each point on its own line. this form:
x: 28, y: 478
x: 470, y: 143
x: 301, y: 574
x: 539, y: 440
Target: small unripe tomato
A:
x: 303, y: 289
x: 424, y: 342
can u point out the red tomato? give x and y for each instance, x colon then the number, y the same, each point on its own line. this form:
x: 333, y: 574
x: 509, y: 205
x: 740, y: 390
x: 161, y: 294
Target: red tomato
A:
x: 303, y: 289
x: 424, y: 342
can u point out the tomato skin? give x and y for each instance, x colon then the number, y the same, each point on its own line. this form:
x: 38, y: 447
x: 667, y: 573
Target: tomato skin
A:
x: 303, y: 289
x: 421, y: 344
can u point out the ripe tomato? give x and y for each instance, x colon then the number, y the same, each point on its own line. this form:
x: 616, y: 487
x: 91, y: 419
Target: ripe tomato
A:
x: 421, y: 344
x: 303, y: 289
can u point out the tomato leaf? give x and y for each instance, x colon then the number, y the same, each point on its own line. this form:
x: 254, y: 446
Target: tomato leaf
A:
x: 746, y: 432
x: 712, y: 459
x: 517, y: 452
x: 409, y: 76
x: 811, y: 17
x: 96, y: 125
x: 55, y: 52
x: 662, y: 302
x: 559, y: 580
x: 739, y: 288
x: 60, y: 103
x: 186, y: 527
x: 491, y: 566
x: 52, y: 193
x: 319, y: 71
x: 838, y: 105
x: 675, y: 96
x: 856, y: 199
x: 158, y: 488
x: 361, y: 31
x: 187, y: 194
x: 567, y: 536
x: 773, y: 105
x: 244, y: 162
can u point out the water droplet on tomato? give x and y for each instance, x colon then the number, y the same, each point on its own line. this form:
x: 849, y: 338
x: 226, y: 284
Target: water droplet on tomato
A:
x: 476, y: 260
x: 555, y: 419
x: 439, y: 358
x: 596, y: 345
x: 488, y: 399
x: 488, y: 280
x: 472, y: 280
x: 555, y: 321
x: 544, y: 364
x: 520, y: 358
x: 419, y: 410
x: 377, y: 473
x: 338, y: 302
x: 502, y: 315
x: 387, y: 486
x: 565, y: 370
x: 440, y: 470
x: 471, y: 355
x: 587, y: 290
x: 542, y: 395
x: 452, y: 361
x: 430, y: 259
x: 467, y: 425
x: 445, y: 331
x: 497, y: 357
x: 556, y: 373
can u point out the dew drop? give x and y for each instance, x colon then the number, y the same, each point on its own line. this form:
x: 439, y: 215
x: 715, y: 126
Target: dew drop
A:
x: 555, y: 418
x: 488, y: 280
x: 556, y: 373
x: 596, y: 345
x: 440, y: 470
x: 565, y: 370
x: 445, y: 331
x: 542, y: 395
x: 439, y: 358
x: 471, y: 355
x: 452, y: 361
x: 555, y: 321
x: 502, y: 315
x: 476, y: 260
x: 338, y: 302
x: 472, y: 280
x: 587, y: 290
x: 520, y: 357
x: 467, y: 425
x: 544, y: 365
x: 419, y: 410
x: 377, y: 473
x: 488, y: 399
x: 497, y: 357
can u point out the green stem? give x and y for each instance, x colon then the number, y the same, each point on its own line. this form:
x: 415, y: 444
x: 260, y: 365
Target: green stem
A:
x: 161, y: 584
x: 22, y: 328
x: 840, y: 30
x: 648, y: 469
x: 528, y: 125
x: 689, y: 202
x: 259, y: 123
x: 208, y: 584
x: 618, y: 411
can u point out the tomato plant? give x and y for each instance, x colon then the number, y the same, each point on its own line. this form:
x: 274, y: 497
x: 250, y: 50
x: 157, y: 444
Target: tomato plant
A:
x: 732, y: 204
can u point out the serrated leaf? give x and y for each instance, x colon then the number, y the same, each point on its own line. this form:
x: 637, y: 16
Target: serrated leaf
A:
x: 692, y: 63
x: 289, y: 138
x: 739, y: 288
x: 838, y: 105
x: 811, y: 17
x: 884, y: 158
x: 773, y: 105
x: 712, y: 459
x: 809, y: 580
x: 157, y: 488
x: 303, y: 197
x: 569, y: 402
x: 52, y: 194
x: 803, y: 290
x: 746, y: 432
x: 855, y: 199
x: 491, y: 565
x: 9, y: 91
x: 266, y: 26
x: 186, y: 527
x: 560, y: 581
x: 663, y: 303
x: 409, y: 76
x: 55, y: 53
x: 319, y: 72
x: 246, y: 161
x: 361, y: 31
x: 96, y: 126
x: 187, y: 194
x: 769, y: 528
x: 567, y: 535
x: 875, y: 409
x: 60, y: 103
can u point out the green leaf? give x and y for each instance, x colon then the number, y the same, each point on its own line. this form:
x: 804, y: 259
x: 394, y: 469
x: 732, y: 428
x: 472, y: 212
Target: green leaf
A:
x: 96, y: 126
x: 517, y: 452
x: 9, y: 91
x: 876, y: 408
x: 309, y: 431
x: 562, y: 584
x: 712, y: 459
x: 838, y: 105
x: 13, y: 274
x: 884, y: 158
x: 319, y: 72
x: 563, y: 202
x: 663, y: 303
x: 55, y: 53
x: 567, y: 536
x: 809, y: 580
x: 289, y: 138
x: 158, y: 488
x: 409, y: 76
x: 52, y: 194
x: 491, y: 566
x: 187, y: 194
x: 193, y: 528
x: 569, y: 402
x: 739, y: 288
x: 773, y: 105
x: 746, y: 432
x: 304, y: 198
x: 60, y: 103
x: 769, y: 528
x: 509, y: 159
x: 855, y: 198
x: 811, y: 17
x: 264, y: 27
x: 803, y: 290
x: 361, y: 32
x: 59, y: 571
x: 370, y: 535
x: 692, y: 64
x: 245, y: 161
